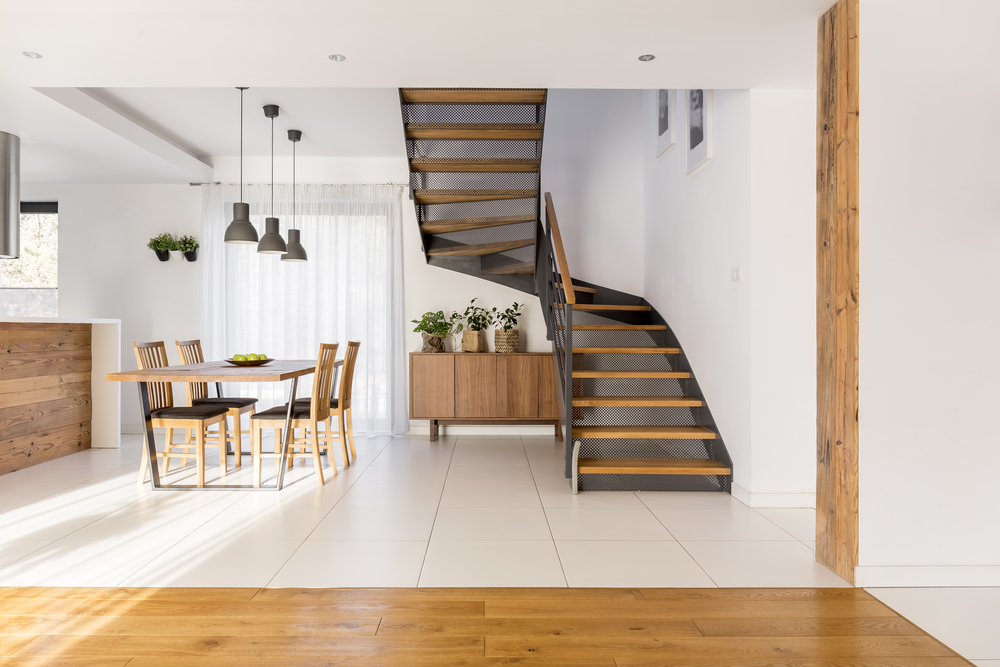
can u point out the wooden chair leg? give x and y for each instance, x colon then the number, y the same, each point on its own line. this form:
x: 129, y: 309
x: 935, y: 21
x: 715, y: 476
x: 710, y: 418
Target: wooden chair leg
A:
x: 255, y: 434
x: 144, y: 464
x: 223, y: 442
x: 350, y: 433
x: 199, y: 453
x: 277, y: 450
x: 237, y: 436
x: 342, y: 432
x: 189, y: 438
x: 168, y: 443
x: 314, y: 428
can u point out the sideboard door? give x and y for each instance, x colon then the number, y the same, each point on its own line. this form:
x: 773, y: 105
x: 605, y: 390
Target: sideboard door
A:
x: 517, y: 384
x: 432, y: 386
x: 548, y: 398
x: 476, y: 385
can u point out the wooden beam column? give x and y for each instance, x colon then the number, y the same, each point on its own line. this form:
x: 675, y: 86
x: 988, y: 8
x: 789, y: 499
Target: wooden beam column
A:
x: 837, y: 290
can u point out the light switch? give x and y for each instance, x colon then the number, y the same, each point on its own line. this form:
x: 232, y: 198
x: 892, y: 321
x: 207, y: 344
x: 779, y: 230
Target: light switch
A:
x: 737, y: 274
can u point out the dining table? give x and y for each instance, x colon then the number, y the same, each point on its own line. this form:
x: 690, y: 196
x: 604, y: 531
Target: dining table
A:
x: 276, y: 370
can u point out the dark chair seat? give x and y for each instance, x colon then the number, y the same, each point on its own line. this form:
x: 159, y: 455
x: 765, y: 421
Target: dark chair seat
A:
x: 280, y: 412
x: 228, y: 403
x: 193, y: 412
x: 334, y: 402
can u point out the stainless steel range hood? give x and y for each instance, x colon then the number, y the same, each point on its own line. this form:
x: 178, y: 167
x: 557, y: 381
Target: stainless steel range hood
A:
x: 10, y: 196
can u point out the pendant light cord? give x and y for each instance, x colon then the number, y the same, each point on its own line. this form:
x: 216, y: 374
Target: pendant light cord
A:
x: 272, y: 166
x: 293, y: 186
x: 241, y: 144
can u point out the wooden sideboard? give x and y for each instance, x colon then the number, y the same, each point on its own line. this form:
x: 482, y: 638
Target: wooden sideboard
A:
x: 483, y: 388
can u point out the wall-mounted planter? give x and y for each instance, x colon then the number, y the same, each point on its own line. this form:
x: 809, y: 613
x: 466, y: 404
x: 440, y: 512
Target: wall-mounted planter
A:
x: 162, y: 255
x: 191, y: 256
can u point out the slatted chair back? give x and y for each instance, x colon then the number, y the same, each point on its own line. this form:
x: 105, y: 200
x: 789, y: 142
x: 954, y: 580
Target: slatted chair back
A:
x: 154, y: 355
x: 190, y: 353
x: 323, y: 381
x: 347, y: 374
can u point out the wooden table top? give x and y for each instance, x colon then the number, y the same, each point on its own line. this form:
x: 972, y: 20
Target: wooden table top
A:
x: 221, y: 371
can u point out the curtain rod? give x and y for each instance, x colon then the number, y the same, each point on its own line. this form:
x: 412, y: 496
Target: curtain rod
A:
x: 405, y: 185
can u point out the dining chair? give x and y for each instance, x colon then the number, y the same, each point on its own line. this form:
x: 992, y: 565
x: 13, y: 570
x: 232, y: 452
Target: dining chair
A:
x: 305, y: 416
x: 197, y: 394
x: 165, y: 415
x: 340, y: 407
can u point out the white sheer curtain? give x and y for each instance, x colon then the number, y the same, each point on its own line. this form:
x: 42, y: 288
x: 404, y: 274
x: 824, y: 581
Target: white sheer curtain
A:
x: 350, y: 289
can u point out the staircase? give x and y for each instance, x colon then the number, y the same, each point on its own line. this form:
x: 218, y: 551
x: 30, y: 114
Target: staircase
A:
x: 633, y: 413
x: 474, y: 157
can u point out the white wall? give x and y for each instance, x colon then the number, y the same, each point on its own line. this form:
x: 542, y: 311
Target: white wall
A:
x: 930, y: 246
x: 106, y: 271
x: 783, y: 297
x: 750, y: 342
x: 592, y: 165
x: 696, y: 230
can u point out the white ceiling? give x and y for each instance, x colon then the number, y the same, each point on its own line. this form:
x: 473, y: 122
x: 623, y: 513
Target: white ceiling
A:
x: 172, y: 64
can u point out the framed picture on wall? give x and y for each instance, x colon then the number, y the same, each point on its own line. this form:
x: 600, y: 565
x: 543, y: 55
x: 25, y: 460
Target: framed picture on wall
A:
x: 699, y: 128
x: 666, y: 132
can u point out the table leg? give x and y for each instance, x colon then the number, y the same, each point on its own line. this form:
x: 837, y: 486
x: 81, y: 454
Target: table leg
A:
x: 288, y: 434
x: 150, y: 440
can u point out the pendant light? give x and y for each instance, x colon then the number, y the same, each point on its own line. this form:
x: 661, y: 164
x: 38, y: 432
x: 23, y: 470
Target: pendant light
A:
x: 296, y: 253
x: 271, y: 242
x: 241, y: 230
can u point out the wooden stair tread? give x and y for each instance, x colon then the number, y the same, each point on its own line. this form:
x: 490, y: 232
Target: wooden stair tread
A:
x: 585, y: 290
x: 456, y: 196
x: 521, y: 269
x: 448, y: 164
x: 617, y: 327
x: 636, y: 401
x: 479, y: 248
x: 626, y: 350
x: 463, y: 224
x: 608, y: 306
x: 651, y: 466
x: 630, y: 374
x: 652, y: 432
x: 472, y: 96
x: 480, y: 131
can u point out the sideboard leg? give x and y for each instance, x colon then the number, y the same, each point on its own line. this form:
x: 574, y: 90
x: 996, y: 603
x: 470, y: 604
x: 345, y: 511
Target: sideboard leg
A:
x: 558, y: 426
x: 434, y: 430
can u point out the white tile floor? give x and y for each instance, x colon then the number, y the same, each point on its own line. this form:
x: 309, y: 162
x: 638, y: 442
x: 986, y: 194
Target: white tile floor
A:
x: 463, y: 511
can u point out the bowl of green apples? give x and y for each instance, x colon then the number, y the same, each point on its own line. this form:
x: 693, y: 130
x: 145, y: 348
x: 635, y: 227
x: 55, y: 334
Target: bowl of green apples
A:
x: 249, y: 360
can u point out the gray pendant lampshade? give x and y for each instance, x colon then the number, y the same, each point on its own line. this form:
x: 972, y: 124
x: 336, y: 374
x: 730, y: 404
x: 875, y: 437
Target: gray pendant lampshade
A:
x: 271, y: 242
x: 241, y: 230
x: 296, y: 251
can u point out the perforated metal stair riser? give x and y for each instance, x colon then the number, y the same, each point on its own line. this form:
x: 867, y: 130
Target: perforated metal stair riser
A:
x: 637, y: 415
x: 491, y: 164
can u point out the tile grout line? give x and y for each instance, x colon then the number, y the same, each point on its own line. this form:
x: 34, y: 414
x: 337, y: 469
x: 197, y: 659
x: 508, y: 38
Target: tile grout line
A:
x: 436, y: 511
x: 546, y: 515
x: 306, y: 538
x: 680, y: 544
x: 775, y: 523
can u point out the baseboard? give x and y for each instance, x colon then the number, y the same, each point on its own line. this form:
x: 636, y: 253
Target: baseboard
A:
x: 422, y: 427
x: 774, y: 500
x: 900, y: 576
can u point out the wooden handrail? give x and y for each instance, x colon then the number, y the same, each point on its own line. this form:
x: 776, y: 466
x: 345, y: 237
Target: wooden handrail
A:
x: 567, y: 282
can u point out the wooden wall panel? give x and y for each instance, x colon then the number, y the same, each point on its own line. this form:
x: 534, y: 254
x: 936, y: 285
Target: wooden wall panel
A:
x: 432, y: 386
x: 837, y: 290
x: 475, y: 385
x: 45, y: 392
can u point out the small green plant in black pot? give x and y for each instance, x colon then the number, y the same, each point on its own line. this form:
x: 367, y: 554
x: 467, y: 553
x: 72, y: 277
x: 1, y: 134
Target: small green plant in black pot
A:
x: 188, y: 245
x: 162, y: 244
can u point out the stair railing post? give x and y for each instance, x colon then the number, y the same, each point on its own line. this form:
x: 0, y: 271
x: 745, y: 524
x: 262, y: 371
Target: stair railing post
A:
x: 568, y: 388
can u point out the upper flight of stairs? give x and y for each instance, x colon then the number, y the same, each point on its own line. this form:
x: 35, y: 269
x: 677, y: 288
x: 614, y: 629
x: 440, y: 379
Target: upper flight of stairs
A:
x: 474, y: 156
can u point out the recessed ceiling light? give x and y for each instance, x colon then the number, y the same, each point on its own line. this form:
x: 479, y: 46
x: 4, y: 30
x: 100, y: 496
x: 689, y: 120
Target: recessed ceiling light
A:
x: 337, y: 58
x: 646, y: 58
x: 32, y: 55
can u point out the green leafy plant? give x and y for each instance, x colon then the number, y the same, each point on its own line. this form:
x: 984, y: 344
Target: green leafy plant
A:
x: 436, y: 324
x: 162, y: 242
x: 187, y: 244
x: 477, y: 318
x: 507, y: 319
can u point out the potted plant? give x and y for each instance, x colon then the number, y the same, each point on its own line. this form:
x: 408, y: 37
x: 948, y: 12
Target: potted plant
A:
x: 507, y: 338
x: 435, y: 327
x: 162, y: 244
x: 188, y: 245
x: 476, y: 320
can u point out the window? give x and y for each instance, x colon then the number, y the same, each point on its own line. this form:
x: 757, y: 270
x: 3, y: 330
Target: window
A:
x: 28, y: 284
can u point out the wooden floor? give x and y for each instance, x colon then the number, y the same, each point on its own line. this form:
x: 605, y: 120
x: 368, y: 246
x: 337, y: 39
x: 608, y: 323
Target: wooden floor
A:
x: 146, y: 627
